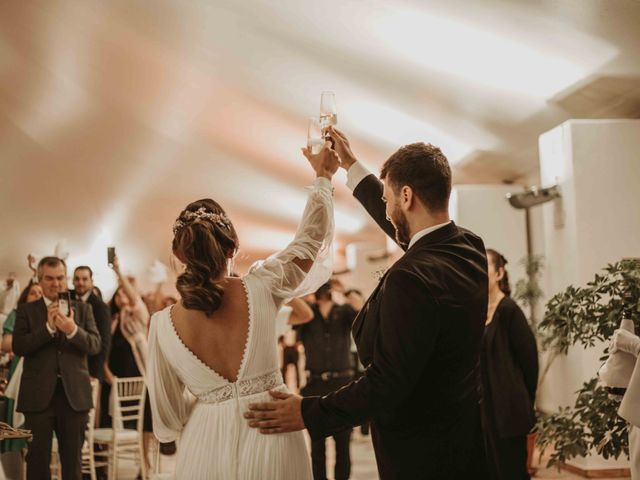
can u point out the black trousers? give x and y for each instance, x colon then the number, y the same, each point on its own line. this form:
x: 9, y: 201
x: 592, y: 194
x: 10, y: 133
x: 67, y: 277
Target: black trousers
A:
x: 343, y: 457
x: 511, y: 458
x: 69, y: 426
x: 290, y: 357
x: 342, y: 439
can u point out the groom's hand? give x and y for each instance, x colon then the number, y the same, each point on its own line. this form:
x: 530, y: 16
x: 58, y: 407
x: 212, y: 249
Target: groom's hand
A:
x: 342, y: 147
x: 283, y: 415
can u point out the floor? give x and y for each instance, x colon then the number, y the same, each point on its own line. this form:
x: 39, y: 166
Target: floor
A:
x: 363, y: 464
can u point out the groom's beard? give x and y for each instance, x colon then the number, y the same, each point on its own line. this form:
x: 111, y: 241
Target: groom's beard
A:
x: 399, y: 219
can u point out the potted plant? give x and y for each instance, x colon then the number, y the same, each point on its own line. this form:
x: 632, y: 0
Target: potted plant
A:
x: 586, y: 316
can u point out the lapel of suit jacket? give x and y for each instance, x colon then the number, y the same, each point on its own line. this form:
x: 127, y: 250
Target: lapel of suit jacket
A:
x: 359, y: 320
x: 430, y: 239
x: 41, y: 309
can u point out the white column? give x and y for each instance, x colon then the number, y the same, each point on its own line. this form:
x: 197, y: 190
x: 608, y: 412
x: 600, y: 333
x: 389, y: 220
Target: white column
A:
x: 596, y: 163
x: 484, y: 210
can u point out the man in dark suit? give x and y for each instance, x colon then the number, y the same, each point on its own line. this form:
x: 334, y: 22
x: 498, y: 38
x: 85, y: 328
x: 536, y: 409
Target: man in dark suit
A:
x: 55, y: 389
x: 329, y: 365
x: 418, y: 335
x: 83, y: 284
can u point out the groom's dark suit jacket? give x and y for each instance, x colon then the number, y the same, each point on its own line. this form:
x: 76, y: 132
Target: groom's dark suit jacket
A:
x: 419, y: 336
x: 47, y: 357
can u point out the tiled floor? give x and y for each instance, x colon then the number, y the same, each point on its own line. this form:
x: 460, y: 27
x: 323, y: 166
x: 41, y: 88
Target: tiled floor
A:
x: 363, y: 464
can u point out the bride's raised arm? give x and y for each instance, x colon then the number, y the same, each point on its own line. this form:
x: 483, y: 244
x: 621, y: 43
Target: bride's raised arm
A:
x: 307, y: 262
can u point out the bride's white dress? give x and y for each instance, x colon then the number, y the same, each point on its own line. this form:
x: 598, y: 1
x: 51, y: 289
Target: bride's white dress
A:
x: 193, y: 403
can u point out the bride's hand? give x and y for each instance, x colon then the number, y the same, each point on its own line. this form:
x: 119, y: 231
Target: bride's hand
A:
x: 325, y: 163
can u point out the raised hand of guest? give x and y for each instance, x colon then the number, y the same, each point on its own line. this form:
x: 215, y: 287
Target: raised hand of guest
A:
x: 281, y: 416
x: 342, y: 147
x: 66, y: 325
x: 625, y: 341
x: 115, y: 265
x: 325, y: 163
x: 31, y: 262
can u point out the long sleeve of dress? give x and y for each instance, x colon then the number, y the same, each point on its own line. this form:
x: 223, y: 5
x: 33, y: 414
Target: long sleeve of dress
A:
x: 169, y: 399
x: 312, y: 242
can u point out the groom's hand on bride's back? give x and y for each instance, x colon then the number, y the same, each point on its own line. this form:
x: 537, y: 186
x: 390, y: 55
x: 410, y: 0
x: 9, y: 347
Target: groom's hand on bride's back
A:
x: 280, y: 416
x: 325, y: 163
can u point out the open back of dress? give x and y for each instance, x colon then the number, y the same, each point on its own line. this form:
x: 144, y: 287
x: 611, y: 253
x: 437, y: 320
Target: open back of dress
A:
x: 193, y: 402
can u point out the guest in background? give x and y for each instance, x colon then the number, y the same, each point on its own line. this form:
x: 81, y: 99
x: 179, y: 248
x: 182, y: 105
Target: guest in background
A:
x: 31, y: 293
x: 295, y: 312
x: 327, y: 345
x: 9, y: 293
x: 83, y: 284
x: 55, y: 389
x: 509, y: 366
x: 354, y: 298
x: 128, y: 355
x: 97, y: 292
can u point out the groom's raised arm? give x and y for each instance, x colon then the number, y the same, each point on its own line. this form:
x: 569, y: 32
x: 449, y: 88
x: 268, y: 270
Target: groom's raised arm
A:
x: 368, y: 192
x: 365, y: 186
x: 407, y: 334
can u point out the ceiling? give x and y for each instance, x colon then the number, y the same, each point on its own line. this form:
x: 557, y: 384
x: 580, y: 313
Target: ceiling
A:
x: 114, y: 115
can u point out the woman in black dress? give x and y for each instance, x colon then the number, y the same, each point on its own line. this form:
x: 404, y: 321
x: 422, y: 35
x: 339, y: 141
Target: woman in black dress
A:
x: 509, y: 366
x: 128, y: 355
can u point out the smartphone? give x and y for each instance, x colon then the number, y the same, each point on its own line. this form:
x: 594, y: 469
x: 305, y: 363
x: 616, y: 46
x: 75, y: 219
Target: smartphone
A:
x: 111, y: 255
x: 64, y: 303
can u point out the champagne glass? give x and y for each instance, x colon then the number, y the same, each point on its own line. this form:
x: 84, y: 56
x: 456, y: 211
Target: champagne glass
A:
x: 328, y: 111
x: 315, y: 141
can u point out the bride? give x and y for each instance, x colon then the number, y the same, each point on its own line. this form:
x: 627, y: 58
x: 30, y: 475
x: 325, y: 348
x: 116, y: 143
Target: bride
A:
x: 214, y: 352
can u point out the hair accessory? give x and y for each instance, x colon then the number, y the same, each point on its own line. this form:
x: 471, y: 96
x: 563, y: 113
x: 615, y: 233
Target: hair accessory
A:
x: 189, y: 217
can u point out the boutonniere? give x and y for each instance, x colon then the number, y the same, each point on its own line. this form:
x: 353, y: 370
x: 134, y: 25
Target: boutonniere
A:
x: 378, y: 274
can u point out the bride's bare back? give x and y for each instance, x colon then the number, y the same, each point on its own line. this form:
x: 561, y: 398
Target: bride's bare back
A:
x: 218, y: 341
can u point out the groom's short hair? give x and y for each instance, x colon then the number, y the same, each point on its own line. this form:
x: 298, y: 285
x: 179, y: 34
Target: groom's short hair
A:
x: 425, y: 169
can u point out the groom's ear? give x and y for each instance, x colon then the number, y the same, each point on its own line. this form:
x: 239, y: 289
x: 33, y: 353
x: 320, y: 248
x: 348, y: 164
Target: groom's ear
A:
x: 407, y: 197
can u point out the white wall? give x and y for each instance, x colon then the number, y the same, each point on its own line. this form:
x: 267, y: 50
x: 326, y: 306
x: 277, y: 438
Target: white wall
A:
x: 596, y: 163
x: 484, y: 210
x: 364, y: 274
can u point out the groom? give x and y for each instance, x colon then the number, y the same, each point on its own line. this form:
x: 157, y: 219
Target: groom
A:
x: 418, y: 335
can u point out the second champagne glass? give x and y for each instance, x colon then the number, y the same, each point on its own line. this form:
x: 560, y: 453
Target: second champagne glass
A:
x: 315, y: 140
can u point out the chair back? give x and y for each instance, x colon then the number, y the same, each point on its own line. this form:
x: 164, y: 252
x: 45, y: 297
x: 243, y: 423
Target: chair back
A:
x: 129, y: 396
x: 95, y: 390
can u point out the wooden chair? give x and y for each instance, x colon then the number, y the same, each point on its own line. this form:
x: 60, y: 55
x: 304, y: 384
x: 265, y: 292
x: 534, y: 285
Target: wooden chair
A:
x: 124, y: 439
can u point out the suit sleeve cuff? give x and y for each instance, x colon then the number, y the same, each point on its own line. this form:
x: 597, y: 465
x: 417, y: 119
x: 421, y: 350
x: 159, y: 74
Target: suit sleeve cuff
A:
x: 52, y: 331
x: 73, y: 334
x: 356, y: 173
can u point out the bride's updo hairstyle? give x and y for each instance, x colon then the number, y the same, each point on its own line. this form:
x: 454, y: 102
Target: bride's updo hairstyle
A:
x: 204, y: 240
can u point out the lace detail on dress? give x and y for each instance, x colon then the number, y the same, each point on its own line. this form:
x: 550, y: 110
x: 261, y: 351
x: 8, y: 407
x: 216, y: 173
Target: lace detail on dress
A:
x: 242, y: 388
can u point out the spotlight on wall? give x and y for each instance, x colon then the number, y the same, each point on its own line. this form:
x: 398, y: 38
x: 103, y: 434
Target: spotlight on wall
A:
x: 533, y: 196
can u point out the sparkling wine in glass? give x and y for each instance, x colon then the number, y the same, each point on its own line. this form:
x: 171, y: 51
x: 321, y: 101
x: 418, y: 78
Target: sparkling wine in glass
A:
x: 315, y: 140
x: 328, y: 111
